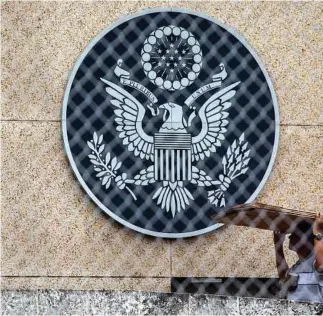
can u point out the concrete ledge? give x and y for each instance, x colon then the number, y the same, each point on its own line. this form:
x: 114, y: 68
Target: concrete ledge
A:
x: 50, y: 302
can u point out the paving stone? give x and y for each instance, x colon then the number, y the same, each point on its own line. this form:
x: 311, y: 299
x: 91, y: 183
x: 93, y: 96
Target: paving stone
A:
x: 137, y: 303
x: 50, y: 302
x: 250, y: 306
x: 62, y: 302
x: 296, y: 308
x: 19, y: 303
x: 213, y: 305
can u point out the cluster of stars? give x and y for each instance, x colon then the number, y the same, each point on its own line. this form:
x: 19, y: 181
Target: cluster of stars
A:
x: 171, y: 58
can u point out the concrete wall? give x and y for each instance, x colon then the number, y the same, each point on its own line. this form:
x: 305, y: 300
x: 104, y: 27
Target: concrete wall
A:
x: 53, y: 236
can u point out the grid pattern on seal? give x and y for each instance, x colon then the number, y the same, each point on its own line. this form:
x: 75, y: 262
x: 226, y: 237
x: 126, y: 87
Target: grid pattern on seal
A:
x: 89, y: 110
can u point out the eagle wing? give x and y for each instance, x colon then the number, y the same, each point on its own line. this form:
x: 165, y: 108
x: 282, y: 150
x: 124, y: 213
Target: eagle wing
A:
x: 129, y: 116
x: 213, y: 114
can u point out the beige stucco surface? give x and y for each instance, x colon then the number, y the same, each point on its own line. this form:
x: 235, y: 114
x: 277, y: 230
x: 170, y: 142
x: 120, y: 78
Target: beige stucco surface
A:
x: 53, y: 236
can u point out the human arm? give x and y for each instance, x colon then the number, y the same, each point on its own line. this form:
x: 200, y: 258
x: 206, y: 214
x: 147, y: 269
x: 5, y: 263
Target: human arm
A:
x: 281, y: 264
x: 318, y: 244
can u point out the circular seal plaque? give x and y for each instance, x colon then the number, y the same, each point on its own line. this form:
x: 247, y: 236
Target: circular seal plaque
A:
x: 169, y: 117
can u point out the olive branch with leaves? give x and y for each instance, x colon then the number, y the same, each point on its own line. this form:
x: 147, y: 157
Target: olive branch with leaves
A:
x: 106, y: 168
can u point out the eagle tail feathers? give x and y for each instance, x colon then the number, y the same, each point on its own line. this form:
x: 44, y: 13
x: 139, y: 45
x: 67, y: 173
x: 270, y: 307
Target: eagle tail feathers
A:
x: 173, y: 197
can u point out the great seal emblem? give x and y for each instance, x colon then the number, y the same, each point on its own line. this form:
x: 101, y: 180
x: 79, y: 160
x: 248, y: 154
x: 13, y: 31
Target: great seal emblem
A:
x: 171, y: 125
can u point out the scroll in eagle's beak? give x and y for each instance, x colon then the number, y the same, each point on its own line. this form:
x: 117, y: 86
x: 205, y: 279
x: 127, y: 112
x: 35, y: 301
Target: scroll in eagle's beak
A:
x: 165, y: 112
x: 153, y: 109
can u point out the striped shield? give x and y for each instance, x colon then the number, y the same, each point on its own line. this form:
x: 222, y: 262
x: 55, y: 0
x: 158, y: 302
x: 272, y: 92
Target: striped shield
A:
x: 173, y: 156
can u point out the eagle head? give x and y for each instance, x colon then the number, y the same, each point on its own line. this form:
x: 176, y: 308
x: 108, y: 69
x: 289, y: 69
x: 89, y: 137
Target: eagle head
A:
x: 173, y: 110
